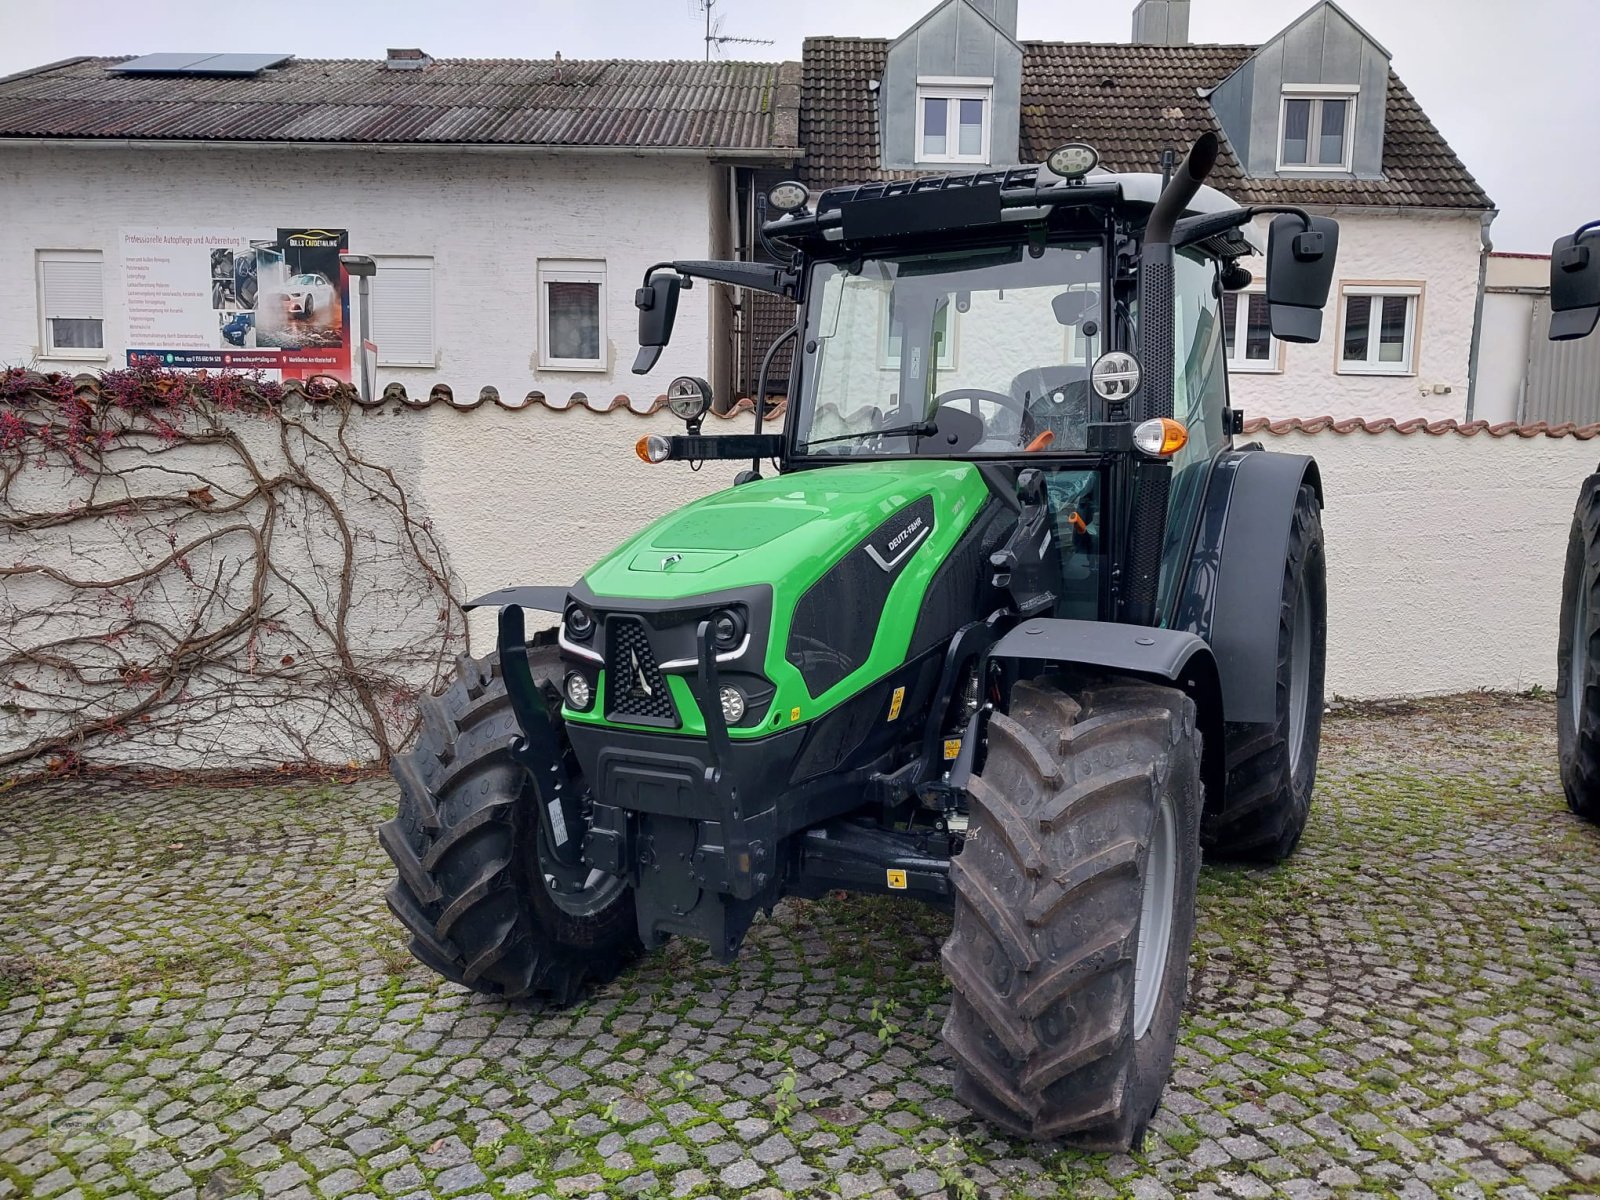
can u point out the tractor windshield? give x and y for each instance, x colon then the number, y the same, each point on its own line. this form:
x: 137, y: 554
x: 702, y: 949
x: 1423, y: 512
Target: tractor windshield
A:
x: 962, y: 352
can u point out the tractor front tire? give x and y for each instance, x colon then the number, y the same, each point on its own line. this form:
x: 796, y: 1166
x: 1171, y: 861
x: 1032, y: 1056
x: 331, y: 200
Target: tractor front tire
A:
x: 1273, y: 767
x: 1075, y: 898
x: 465, y: 846
x: 1577, y: 670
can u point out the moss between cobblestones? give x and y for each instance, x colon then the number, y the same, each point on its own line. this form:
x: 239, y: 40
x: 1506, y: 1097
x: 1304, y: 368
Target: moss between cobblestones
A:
x: 1409, y: 1003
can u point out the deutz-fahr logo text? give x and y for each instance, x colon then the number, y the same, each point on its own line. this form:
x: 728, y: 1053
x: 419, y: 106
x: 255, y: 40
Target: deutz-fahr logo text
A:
x: 899, y: 539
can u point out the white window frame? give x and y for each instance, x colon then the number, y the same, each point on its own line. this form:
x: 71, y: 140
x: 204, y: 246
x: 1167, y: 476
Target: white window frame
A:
x: 47, y: 344
x: 1273, y: 363
x: 409, y: 262
x: 954, y: 88
x: 1370, y: 365
x: 1317, y: 93
x: 570, y: 270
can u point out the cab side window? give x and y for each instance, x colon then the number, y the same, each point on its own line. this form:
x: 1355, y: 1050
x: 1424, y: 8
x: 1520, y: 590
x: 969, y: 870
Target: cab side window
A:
x: 1199, y: 394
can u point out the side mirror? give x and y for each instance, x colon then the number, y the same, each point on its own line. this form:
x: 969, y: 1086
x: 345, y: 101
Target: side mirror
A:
x: 1574, y: 288
x: 1299, y: 275
x: 657, y: 302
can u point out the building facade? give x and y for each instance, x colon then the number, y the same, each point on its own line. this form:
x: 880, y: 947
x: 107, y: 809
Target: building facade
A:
x: 512, y: 209
x: 1314, y: 117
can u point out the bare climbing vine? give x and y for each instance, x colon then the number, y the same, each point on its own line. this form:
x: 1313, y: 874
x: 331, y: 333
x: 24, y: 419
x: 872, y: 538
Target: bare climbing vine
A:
x: 209, y: 571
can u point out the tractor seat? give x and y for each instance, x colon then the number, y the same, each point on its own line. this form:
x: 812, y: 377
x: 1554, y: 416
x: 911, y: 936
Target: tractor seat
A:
x: 1057, y: 400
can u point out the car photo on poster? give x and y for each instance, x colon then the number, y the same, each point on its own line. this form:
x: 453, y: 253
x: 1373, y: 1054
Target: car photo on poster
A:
x: 304, y: 296
x: 238, y: 329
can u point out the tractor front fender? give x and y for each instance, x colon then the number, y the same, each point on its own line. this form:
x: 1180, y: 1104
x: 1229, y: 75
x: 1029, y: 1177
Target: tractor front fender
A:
x: 1232, y: 592
x: 1169, y: 656
x: 539, y: 597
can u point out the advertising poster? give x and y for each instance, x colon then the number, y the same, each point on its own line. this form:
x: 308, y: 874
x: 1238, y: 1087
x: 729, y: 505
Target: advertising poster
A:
x: 239, y: 301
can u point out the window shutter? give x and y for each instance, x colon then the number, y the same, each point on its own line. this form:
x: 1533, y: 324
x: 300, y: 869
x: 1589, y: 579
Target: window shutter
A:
x: 402, y: 313
x: 73, y: 288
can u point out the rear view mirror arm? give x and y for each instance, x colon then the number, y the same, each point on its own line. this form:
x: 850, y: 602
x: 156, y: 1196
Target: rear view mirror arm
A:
x: 1189, y: 230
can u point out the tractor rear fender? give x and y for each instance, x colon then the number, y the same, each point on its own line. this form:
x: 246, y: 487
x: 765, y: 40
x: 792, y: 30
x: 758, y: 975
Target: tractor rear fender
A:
x: 1171, y: 656
x: 1231, y: 593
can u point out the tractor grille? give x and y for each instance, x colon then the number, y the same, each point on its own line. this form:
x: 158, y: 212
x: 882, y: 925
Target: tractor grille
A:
x: 635, y: 687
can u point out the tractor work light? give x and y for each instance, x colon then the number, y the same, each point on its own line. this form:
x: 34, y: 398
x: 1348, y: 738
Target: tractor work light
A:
x: 787, y: 197
x: 1160, y: 437
x: 689, y: 398
x: 732, y: 705
x: 579, y: 694
x: 653, y: 448
x: 1115, y: 375
x: 1073, y: 161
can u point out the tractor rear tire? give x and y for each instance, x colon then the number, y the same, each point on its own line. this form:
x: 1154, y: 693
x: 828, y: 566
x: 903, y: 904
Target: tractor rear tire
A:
x: 1075, y: 898
x: 1273, y: 767
x: 1577, y: 670
x: 469, y: 887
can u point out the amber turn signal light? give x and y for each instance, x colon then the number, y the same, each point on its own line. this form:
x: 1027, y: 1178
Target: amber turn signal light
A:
x: 1160, y: 437
x: 652, y: 448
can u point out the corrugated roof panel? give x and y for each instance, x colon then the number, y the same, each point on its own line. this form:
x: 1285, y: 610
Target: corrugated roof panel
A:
x: 686, y: 105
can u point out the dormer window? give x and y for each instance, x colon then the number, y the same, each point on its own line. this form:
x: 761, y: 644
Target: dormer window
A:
x: 1316, y: 127
x: 953, y: 119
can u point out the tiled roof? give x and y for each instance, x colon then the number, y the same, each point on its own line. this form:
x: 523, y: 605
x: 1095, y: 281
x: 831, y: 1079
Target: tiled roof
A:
x: 1439, y: 428
x: 1130, y: 102
x: 661, y: 105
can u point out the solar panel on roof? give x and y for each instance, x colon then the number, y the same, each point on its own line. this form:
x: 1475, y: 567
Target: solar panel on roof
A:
x: 200, y: 64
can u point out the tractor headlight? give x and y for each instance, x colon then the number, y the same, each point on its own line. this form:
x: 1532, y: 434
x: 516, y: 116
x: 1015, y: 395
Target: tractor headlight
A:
x: 579, y: 624
x: 1115, y: 375
x: 732, y: 705
x: 1160, y: 437
x: 727, y: 629
x: 580, y: 695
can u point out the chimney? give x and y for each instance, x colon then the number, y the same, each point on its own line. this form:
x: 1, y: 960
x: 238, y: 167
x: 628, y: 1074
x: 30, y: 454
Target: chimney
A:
x: 1161, y: 23
x: 410, y: 59
x: 1002, y: 12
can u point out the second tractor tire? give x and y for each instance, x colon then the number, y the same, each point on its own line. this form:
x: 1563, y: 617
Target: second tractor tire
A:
x: 1577, y: 669
x: 1273, y: 767
x: 469, y: 888
x: 1079, y: 869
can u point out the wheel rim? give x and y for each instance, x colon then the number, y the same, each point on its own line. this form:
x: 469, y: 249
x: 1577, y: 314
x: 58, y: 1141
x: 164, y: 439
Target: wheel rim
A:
x: 596, y: 894
x: 1300, y: 672
x: 1578, y: 669
x: 1155, y: 918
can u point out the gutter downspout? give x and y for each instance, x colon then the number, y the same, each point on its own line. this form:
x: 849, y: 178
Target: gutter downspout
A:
x: 1484, y: 222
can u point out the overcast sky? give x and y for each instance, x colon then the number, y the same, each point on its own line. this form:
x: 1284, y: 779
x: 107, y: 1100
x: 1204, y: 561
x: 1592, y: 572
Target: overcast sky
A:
x: 1513, y: 84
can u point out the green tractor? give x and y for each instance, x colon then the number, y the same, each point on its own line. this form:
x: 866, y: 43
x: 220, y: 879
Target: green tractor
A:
x: 1574, y: 312
x: 1014, y: 627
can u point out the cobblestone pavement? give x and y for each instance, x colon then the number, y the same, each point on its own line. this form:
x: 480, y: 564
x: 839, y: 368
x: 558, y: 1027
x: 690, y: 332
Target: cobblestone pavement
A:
x: 202, y: 994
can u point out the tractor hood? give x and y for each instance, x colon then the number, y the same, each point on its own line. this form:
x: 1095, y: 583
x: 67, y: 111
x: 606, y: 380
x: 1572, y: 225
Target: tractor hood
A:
x: 829, y: 566
x: 784, y: 531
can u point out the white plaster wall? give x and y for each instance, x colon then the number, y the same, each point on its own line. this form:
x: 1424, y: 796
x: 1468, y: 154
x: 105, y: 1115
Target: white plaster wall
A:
x: 1444, y: 553
x: 486, y: 219
x: 1444, y: 557
x: 1503, y: 355
x: 1440, y: 250
x: 534, y: 496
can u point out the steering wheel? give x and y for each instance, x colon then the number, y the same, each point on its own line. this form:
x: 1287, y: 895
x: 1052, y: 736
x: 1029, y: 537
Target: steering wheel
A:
x: 1004, y: 399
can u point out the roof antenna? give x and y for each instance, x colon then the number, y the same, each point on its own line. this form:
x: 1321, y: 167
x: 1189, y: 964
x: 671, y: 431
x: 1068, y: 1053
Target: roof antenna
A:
x: 1169, y: 160
x: 716, y: 38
